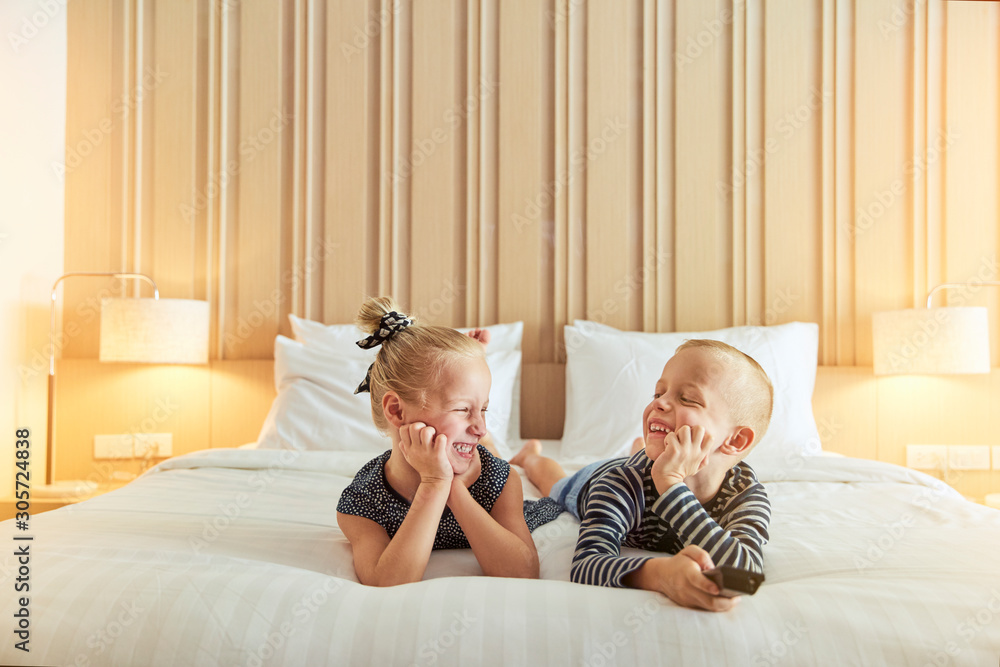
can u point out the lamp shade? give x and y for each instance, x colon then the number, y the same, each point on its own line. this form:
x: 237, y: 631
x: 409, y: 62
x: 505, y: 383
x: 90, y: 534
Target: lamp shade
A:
x: 160, y: 331
x: 931, y: 341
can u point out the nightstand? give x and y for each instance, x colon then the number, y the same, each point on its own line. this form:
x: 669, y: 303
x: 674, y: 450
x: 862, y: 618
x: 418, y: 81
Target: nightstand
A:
x: 8, y: 504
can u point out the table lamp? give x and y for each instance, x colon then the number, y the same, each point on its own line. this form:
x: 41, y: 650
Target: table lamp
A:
x: 932, y: 341
x: 138, y: 330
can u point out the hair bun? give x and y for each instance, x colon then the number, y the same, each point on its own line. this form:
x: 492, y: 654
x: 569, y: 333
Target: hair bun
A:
x: 370, y: 315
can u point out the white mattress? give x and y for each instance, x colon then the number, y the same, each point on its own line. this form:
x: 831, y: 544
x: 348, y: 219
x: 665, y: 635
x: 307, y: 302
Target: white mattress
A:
x: 234, y: 557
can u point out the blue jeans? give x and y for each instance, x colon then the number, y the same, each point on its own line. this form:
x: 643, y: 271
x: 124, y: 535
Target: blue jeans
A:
x: 567, y: 490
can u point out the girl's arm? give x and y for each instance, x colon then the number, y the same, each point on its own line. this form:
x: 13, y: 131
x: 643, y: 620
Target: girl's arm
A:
x: 380, y: 561
x: 500, y: 539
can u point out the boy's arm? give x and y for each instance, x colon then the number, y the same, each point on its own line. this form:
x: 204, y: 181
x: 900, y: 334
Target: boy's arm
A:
x: 680, y: 578
x: 613, y: 508
x: 737, y: 542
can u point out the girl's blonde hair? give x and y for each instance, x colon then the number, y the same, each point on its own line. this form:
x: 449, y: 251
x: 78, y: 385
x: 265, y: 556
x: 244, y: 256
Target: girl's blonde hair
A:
x: 412, y: 361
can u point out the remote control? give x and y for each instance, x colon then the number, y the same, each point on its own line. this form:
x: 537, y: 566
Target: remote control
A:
x: 733, y: 581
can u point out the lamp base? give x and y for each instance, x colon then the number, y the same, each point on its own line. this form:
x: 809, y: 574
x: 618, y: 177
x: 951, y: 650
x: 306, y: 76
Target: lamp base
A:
x: 69, y: 488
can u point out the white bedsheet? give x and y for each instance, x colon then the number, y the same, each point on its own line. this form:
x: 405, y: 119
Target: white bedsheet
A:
x: 234, y: 557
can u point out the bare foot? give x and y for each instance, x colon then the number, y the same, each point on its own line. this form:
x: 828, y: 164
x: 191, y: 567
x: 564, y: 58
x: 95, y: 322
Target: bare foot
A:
x: 637, y: 445
x: 531, y: 448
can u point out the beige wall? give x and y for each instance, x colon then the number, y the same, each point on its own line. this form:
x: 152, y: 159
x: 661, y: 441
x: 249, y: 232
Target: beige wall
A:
x: 33, y: 118
x: 654, y: 165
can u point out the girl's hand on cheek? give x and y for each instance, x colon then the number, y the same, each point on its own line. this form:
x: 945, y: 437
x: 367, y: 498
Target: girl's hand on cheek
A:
x: 472, y: 473
x: 460, y: 483
x: 427, y: 451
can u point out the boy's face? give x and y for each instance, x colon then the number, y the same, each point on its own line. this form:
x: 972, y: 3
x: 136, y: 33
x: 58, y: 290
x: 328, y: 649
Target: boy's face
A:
x: 458, y: 409
x: 689, y: 392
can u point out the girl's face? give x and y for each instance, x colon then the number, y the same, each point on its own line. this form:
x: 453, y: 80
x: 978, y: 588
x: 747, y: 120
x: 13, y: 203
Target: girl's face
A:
x: 457, y: 408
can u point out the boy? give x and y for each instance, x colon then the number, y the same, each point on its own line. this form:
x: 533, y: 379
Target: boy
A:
x: 686, y: 492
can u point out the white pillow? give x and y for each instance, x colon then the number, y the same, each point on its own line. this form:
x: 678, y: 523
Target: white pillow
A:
x: 341, y: 339
x: 610, y: 375
x: 317, y: 409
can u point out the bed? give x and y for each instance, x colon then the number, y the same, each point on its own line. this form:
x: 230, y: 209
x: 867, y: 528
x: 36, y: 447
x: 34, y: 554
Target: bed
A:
x: 233, y: 557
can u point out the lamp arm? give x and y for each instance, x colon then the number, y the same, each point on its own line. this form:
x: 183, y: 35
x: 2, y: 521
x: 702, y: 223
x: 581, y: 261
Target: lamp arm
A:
x: 944, y: 286
x: 49, y: 467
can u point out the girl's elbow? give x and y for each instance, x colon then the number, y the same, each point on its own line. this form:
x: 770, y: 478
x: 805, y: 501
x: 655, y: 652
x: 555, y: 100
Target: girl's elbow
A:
x: 529, y: 568
x: 386, y: 582
x: 386, y: 578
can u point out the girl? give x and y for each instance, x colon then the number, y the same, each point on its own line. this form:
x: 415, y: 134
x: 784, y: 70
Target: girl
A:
x: 438, y: 487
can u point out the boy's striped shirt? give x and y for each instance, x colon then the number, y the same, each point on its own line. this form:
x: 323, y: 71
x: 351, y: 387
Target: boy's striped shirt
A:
x: 621, y: 507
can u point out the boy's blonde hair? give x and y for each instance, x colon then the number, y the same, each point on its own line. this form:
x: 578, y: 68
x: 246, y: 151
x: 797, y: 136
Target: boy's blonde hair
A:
x: 747, y: 391
x: 412, y: 361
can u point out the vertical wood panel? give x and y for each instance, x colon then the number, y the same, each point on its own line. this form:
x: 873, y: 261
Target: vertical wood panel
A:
x: 972, y: 160
x: 93, y: 233
x: 437, y: 241
x: 648, y: 149
x: 666, y: 166
x: 828, y: 175
x: 561, y: 221
x: 614, y: 232
x: 883, y: 239
x: 703, y: 231
x: 918, y: 105
x: 173, y: 149
x: 524, y: 207
x: 308, y: 167
x: 794, y: 102
x: 489, y: 260
x: 473, y: 241
x: 353, y: 31
x: 576, y: 140
x: 935, y: 106
x: 844, y: 256
x: 387, y: 230
x: 737, y: 196
x: 748, y: 173
x: 259, y: 238
x: 402, y: 72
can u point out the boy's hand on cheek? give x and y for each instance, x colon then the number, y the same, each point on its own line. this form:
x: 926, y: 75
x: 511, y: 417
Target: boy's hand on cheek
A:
x: 685, y: 453
x: 426, y: 450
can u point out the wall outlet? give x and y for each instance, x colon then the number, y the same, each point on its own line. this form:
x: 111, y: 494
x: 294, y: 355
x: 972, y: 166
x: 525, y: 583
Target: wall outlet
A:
x: 117, y: 446
x: 996, y: 457
x: 156, y: 445
x: 926, y: 457
x: 969, y: 457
